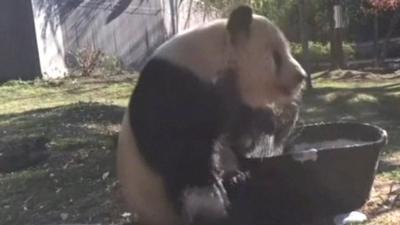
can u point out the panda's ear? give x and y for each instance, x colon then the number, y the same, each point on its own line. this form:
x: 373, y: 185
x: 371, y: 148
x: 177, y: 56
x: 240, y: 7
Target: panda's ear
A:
x: 239, y: 23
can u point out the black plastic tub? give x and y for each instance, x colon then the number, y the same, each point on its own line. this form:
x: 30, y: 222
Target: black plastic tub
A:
x: 337, y: 179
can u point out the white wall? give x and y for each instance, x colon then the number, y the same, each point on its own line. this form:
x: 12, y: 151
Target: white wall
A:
x: 49, y: 39
x: 189, y: 13
x: 127, y: 29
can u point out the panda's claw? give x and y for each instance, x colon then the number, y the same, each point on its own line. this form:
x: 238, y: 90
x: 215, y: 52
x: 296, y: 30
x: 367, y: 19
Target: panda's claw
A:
x: 237, y: 177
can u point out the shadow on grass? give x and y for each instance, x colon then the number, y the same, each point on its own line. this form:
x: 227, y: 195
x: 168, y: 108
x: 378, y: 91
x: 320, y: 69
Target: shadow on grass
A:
x: 387, y: 166
x: 375, y: 105
x: 79, y: 174
x: 80, y: 86
x: 78, y: 121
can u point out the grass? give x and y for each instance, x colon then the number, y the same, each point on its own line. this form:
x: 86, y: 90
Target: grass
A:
x: 376, y: 100
x: 81, y: 118
x: 20, y: 96
x: 367, y: 102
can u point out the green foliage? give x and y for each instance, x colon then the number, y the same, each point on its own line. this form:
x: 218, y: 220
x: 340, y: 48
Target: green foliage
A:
x: 220, y: 4
x: 224, y: 4
x: 349, y: 51
x: 276, y: 10
x: 110, y: 64
x: 283, y: 13
x: 319, y: 52
x: 319, y: 17
x: 393, y: 175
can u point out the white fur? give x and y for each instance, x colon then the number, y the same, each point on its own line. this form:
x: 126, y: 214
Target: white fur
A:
x: 207, y: 202
x: 207, y: 50
x: 201, y: 50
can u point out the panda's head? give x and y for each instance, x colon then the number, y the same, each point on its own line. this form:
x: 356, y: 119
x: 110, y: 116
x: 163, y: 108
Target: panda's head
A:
x: 268, y: 80
x: 248, y: 45
x: 254, y: 55
x: 260, y: 55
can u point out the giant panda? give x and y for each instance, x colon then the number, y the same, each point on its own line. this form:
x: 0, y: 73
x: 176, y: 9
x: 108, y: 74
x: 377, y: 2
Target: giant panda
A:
x: 203, y: 98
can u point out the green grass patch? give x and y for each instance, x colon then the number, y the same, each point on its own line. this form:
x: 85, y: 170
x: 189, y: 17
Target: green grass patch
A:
x: 377, y: 103
x: 392, y: 175
x: 20, y: 96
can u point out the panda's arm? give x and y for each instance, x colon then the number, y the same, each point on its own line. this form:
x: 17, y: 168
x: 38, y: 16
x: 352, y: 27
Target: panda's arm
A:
x: 176, y: 119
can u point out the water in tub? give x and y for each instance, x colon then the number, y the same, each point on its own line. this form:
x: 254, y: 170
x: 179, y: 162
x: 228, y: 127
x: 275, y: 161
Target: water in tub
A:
x: 309, y: 151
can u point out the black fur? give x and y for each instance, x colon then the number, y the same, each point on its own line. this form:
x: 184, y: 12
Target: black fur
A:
x: 239, y: 23
x: 178, y: 119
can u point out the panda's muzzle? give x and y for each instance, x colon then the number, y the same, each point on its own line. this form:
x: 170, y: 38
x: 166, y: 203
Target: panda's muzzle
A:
x: 248, y: 126
x: 299, y: 77
x: 295, y: 83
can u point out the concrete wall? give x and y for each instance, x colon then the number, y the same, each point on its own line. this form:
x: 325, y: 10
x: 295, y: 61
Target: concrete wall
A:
x: 18, y: 50
x: 49, y: 36
x: 127, y: 29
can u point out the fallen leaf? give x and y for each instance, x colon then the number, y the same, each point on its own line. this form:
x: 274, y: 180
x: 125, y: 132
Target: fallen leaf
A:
x: 126, y: 214
x: 64, y: 216
x: 105, y: 175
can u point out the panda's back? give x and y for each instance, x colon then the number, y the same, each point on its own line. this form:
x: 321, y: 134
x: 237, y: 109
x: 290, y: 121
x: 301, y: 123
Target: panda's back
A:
x: 201, y: 50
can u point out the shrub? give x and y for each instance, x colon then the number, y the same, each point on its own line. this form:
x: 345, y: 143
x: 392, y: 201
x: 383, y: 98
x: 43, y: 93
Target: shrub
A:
x: 90, y: 61
x: 349, y: 51
x: 319, y: 52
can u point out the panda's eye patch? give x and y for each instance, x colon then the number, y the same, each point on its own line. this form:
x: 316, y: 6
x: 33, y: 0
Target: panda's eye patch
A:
x: 277, y: 58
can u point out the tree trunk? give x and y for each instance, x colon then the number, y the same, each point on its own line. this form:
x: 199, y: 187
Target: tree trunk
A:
x: 339, y: 48
x: 332, y: 31
x: 393, y: 22
x: 338, y: 34
x: 189, y: 14
x: 173, y: 16
x: 376, y: 39
x: 304, y: 40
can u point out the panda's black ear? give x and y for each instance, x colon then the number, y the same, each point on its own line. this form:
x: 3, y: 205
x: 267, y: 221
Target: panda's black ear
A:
x: 239, y: 22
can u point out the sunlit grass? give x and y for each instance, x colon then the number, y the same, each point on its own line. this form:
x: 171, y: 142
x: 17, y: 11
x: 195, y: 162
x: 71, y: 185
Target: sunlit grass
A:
x: 20, y: 96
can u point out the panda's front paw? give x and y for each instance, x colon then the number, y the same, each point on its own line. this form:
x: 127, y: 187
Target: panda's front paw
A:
x: 205, y: 205
x: 236, y: 177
